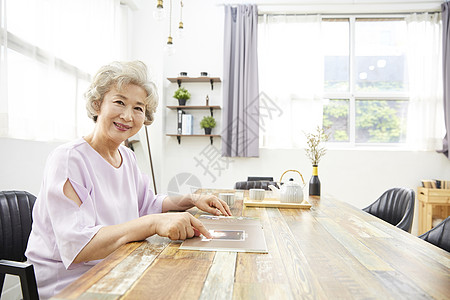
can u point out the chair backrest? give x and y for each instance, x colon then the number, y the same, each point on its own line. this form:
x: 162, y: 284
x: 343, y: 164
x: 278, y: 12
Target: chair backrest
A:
x: 395, y: 206
x: 15, y: 223
x: 246, y: 185
x: 439, y: 235
x: 259, y: 178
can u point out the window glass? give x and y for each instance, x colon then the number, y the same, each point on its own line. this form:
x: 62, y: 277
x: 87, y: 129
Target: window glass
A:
x: 53, y: 48
x: 85, y: 124
x: 40, y: 99
x: 380, y: 61
x: 335, y: 41
x: 381, y: 121
x: 19, y: 19
x: 336, y: 119
x: 80, y: 32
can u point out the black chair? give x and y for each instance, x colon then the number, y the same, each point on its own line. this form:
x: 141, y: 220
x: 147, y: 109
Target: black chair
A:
x: 395, y: 206
x: 439, y: 235
x: 15, y: 227
x: 246, y: 185
x: 257, y: 178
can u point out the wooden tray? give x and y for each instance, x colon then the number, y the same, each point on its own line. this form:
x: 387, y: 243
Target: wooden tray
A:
x: 271, y: 202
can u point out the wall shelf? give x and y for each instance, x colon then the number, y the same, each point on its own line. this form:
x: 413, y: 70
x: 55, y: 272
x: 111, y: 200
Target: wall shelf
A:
x: 198, y: 107
x: 182, y: 107
x: 181, y: 79
x: 211, y: 136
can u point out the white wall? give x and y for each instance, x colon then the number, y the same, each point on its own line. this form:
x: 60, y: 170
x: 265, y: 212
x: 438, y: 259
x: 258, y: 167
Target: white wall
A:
x: 22, y: 163
x: 357, y: 176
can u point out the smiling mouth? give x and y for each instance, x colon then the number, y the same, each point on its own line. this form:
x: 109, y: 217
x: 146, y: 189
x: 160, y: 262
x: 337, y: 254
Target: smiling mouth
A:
x: 121, y: 127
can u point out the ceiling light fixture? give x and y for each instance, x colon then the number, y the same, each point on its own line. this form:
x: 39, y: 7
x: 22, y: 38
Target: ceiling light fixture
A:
x: 159, y: 14
x: 170, y: 49
x: 180, y: 31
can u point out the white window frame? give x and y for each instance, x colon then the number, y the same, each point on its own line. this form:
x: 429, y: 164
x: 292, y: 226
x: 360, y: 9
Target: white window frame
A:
x: 352, y: 95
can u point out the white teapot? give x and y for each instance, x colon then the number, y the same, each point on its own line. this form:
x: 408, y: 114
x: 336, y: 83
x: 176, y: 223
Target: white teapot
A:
x: 290, y: 192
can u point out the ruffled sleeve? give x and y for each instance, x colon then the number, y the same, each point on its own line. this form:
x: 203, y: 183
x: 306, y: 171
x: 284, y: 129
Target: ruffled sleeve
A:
x: 73, y: 226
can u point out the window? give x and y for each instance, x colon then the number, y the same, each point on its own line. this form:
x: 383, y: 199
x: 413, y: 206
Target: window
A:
x: 365, y: 80
x: 46, y: 64
x: 351, y: 75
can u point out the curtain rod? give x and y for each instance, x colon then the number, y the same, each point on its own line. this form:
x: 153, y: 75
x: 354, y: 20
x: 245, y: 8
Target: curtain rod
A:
x: 341, y: 9
x: 279, y: 3
x: 265, y: 11
x: 393, y: 14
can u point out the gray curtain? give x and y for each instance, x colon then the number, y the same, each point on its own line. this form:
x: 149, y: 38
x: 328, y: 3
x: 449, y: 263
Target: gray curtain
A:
x: 240, y: 117
x: 446, y: 74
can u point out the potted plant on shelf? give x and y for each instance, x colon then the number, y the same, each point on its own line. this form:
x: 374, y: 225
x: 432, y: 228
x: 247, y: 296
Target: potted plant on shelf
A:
x: 208, y: 123
x: 315, y: 151
x: 182, y: 95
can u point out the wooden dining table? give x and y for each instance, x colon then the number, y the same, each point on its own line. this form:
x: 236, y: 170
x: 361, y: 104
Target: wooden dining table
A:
x: 331, y: 251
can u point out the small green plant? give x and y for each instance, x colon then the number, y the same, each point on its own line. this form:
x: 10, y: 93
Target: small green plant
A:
x: 208, y: 122
x: 182, y: 93
x: 315, y: 151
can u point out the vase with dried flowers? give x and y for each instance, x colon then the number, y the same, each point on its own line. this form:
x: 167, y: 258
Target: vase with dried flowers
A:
x: 315, y: 151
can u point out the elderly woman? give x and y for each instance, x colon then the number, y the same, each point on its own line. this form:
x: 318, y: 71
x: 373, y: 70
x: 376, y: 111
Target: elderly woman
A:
x: 93, y: 198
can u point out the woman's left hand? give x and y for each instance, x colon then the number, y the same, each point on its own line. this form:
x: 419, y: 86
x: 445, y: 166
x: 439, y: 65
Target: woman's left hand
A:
x: 211, y: 204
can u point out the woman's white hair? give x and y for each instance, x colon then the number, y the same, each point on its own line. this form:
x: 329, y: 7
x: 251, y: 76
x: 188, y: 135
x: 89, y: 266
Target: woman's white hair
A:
x: 118, y: 75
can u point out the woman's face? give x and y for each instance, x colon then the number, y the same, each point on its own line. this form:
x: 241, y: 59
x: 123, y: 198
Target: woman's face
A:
x: 122, y: 114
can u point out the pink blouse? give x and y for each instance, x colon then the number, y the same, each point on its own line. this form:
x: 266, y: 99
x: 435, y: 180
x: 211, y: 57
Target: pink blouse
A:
x: 61, y: 229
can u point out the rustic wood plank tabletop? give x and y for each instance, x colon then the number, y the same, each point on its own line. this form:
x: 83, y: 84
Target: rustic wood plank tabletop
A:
x: 331, y: 251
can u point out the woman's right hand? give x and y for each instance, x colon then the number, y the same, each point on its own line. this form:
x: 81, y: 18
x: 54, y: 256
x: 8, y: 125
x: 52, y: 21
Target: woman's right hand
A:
x: 179, y: 226
x: 175, y: 226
